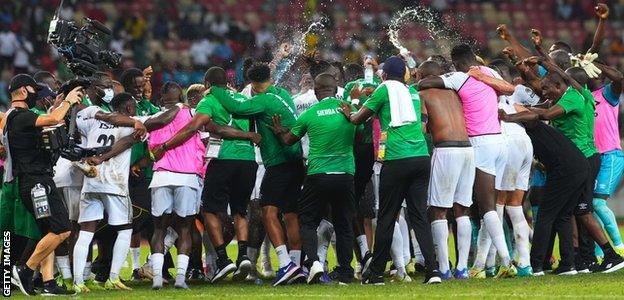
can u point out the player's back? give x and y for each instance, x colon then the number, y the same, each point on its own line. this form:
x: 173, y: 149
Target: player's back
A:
x: 113, y: 174
x: 446, y: 115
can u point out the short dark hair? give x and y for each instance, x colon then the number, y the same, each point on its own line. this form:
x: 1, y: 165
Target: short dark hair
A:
x: 561, y: 45
x: 120, y: 100
x: 259, y: 72
x: 578, y: 74
x: 216, y: 76
x: 554, y: 78
x: 430, y: 68
x: 462, y: 52
x: 39, y: 76
x: 353, y: 72
x: 442, y: 62
x: 128, y: 76
x: 169, y: 85
x: 561, y: 58
x: 247, y: 63
x: 504, y: 67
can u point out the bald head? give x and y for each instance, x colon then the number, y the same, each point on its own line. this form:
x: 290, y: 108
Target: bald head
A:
x: 325, y: 86
x: 429, y: 68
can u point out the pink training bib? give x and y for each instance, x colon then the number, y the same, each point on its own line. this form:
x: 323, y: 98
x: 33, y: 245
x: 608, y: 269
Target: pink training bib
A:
x: 480, y: 103
x: 606, y: 132
x: 186, y: 158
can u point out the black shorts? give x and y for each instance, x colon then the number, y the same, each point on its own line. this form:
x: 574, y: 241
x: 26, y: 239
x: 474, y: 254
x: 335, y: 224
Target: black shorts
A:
x: 141, y: 199
x: 585, y: 202
x: 229, y: 181
x: 281, y: 186
x: 58, y: 222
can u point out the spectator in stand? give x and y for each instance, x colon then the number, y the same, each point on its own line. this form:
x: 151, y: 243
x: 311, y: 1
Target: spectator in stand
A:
x: 200, y: 52
x: 8, y: 47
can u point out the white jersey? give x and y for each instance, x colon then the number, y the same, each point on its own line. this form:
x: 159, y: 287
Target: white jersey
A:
x: 113, y: 174
x: 522, y: 95
x: 66, y: 175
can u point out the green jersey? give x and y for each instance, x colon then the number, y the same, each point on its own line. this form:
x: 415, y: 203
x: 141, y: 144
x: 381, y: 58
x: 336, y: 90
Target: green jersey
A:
x: 230, y: 149
x: 275, y: 101
x: 143, y: 108
x: 331, y: 138
x: 397, y: 142
x: 367, y: 132
x: 575, y: 124
x: 590, y: 116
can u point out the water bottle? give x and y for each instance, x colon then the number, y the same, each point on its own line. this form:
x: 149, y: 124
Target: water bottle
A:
x: 368, y: 72
x: 40, y: 201
x: 411, y: 63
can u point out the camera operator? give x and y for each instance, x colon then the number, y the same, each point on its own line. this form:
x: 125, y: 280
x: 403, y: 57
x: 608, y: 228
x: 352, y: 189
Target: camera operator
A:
x: 32, y: 165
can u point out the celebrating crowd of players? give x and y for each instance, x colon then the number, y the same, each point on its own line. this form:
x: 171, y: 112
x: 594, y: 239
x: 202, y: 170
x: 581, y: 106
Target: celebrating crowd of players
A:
x: 445, y: 146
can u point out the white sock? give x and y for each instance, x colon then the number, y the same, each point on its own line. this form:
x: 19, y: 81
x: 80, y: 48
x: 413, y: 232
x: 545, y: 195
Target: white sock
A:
x: 396, y: 249
x: 362, y: 244
x: 282, y: 256
x: 405, y: 234
x: 439, y: 230
x: 81, y: 250
x: 491, y: 257
x: 182, y: 265
x: 120, y: 252
x: 170, y: 238
x: 464, y: 238
x: 495, y: 229
x: 158, y: 260
x: 483, y: 247
x: 420, y: 259
x: 64, y: 267
x: 295, y: 256
x: 265, y: 252
x: 87, y: 271
x: 521, y: 234
x: 323, y: 234
x: 136, y: 257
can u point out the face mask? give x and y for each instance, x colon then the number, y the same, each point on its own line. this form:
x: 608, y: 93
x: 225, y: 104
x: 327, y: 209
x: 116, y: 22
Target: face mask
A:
x: 108, y: 95
x: 31, y: 99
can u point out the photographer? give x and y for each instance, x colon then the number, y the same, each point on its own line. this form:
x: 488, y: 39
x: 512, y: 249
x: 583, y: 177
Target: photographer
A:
x: 31, y: 165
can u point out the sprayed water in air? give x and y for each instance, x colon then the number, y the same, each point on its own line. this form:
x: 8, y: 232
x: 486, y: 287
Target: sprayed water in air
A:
x: 441, y: 33
x: 298, y: 44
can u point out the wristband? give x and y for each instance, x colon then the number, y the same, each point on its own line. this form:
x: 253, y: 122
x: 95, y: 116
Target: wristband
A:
x: 355, y: 101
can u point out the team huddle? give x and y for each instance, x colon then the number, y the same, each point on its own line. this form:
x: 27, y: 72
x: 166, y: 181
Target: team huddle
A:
x: 380, y: 160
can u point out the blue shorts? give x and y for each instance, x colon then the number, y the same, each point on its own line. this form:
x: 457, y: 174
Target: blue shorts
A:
x: 538, y: 178
x: 611, y: 168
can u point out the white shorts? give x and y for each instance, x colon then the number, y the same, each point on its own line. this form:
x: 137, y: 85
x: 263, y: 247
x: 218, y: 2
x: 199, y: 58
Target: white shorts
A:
x: 452, y: 177
x: 93, y: 205
x: 518, y: 167
x: 490, y: 153
x: 179, y: 199
x: 71, y: 198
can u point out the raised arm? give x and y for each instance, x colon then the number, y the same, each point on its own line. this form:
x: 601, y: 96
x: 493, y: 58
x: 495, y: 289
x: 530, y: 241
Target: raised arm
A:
x: 57, y: 115
x: 616, y: 77
x: 602, y: 11
x: 551, y: 67
x: 504, y: 34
